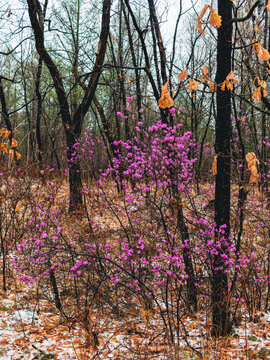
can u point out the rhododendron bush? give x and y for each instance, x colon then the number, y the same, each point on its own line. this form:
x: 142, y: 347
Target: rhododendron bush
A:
x: 144, y: 239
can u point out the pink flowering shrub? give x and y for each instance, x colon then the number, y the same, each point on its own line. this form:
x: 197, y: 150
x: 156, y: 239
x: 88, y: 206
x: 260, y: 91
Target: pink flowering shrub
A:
x: 152, y: 245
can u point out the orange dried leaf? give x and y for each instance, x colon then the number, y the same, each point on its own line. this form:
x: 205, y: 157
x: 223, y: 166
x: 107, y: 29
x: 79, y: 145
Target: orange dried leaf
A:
x: 4, y: 147
x: 257, y: 95
x: 263, y: 84
x: 165, y: 100
x: 214, y: 167
x: 229, y: 82
x: 19, y: 206
x: 252, y: 166
x: 212, y: 86
x: 256, y: 28
x: 14, y: 143
x: 18, y: 155
x: 199, y: 23
x: 199, y: 27
x: 257, y: 79
x: 204, y: 11
x: 268, y: 5
x: 205, y: 74
x: 263, y: 54
x: 7, y: 133
x: 256, y: 45
x: 183, y: 75
x: 193, y: 85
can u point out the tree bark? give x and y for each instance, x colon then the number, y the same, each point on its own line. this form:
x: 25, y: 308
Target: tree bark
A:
x: 220, y: 305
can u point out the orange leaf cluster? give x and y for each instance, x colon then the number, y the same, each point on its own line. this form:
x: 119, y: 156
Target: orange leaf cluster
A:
x: 268, y: 5
x: 165, y: 101
x: 229, y: 82
x: 215, y: 19
x: 262, y: 53
x: 252, y: 162
x: 5, y: 132
x: 4, y: 146
x: 204, y: 76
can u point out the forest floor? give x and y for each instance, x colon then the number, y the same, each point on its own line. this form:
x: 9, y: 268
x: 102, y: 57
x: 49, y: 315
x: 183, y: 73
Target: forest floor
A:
x: 33, y: 329
x: 31, y: 332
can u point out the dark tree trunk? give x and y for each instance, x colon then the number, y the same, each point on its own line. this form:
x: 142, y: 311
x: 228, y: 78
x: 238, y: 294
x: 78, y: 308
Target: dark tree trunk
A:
x: 220, y: 305
x: 4, y: 109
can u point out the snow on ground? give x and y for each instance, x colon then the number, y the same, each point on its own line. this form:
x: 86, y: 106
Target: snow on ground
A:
x: 39, y: 334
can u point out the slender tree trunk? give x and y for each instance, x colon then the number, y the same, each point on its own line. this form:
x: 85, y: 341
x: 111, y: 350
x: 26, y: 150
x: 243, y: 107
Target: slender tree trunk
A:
x: 4, y: 109
x: 191, y: 288
x: 39, y: 112
x: 220, y: 305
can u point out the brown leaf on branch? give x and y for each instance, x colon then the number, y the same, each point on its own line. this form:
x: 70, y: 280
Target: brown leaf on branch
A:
x: 193, y: 85
x: 261, y: 89
x: 215, y: 19
x: 4, y: 147
x: 205, y: 74
x: 199, y: 23
x: 165, y: 100
x: 262, y: 53
x: 212, y: 86
x: 183, y: 75
x: 14, y: 143
x: 214, y: 167
x: 252, y: 166
x: 18, y: 155
x: 257, y: 95
x: 229, y: 82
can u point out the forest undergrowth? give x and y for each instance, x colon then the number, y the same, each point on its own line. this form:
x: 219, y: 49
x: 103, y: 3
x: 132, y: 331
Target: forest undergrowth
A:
x: 130, y: 272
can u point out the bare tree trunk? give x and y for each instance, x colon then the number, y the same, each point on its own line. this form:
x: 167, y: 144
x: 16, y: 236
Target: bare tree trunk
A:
x: 39, y: 112
x: 220, y: 305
